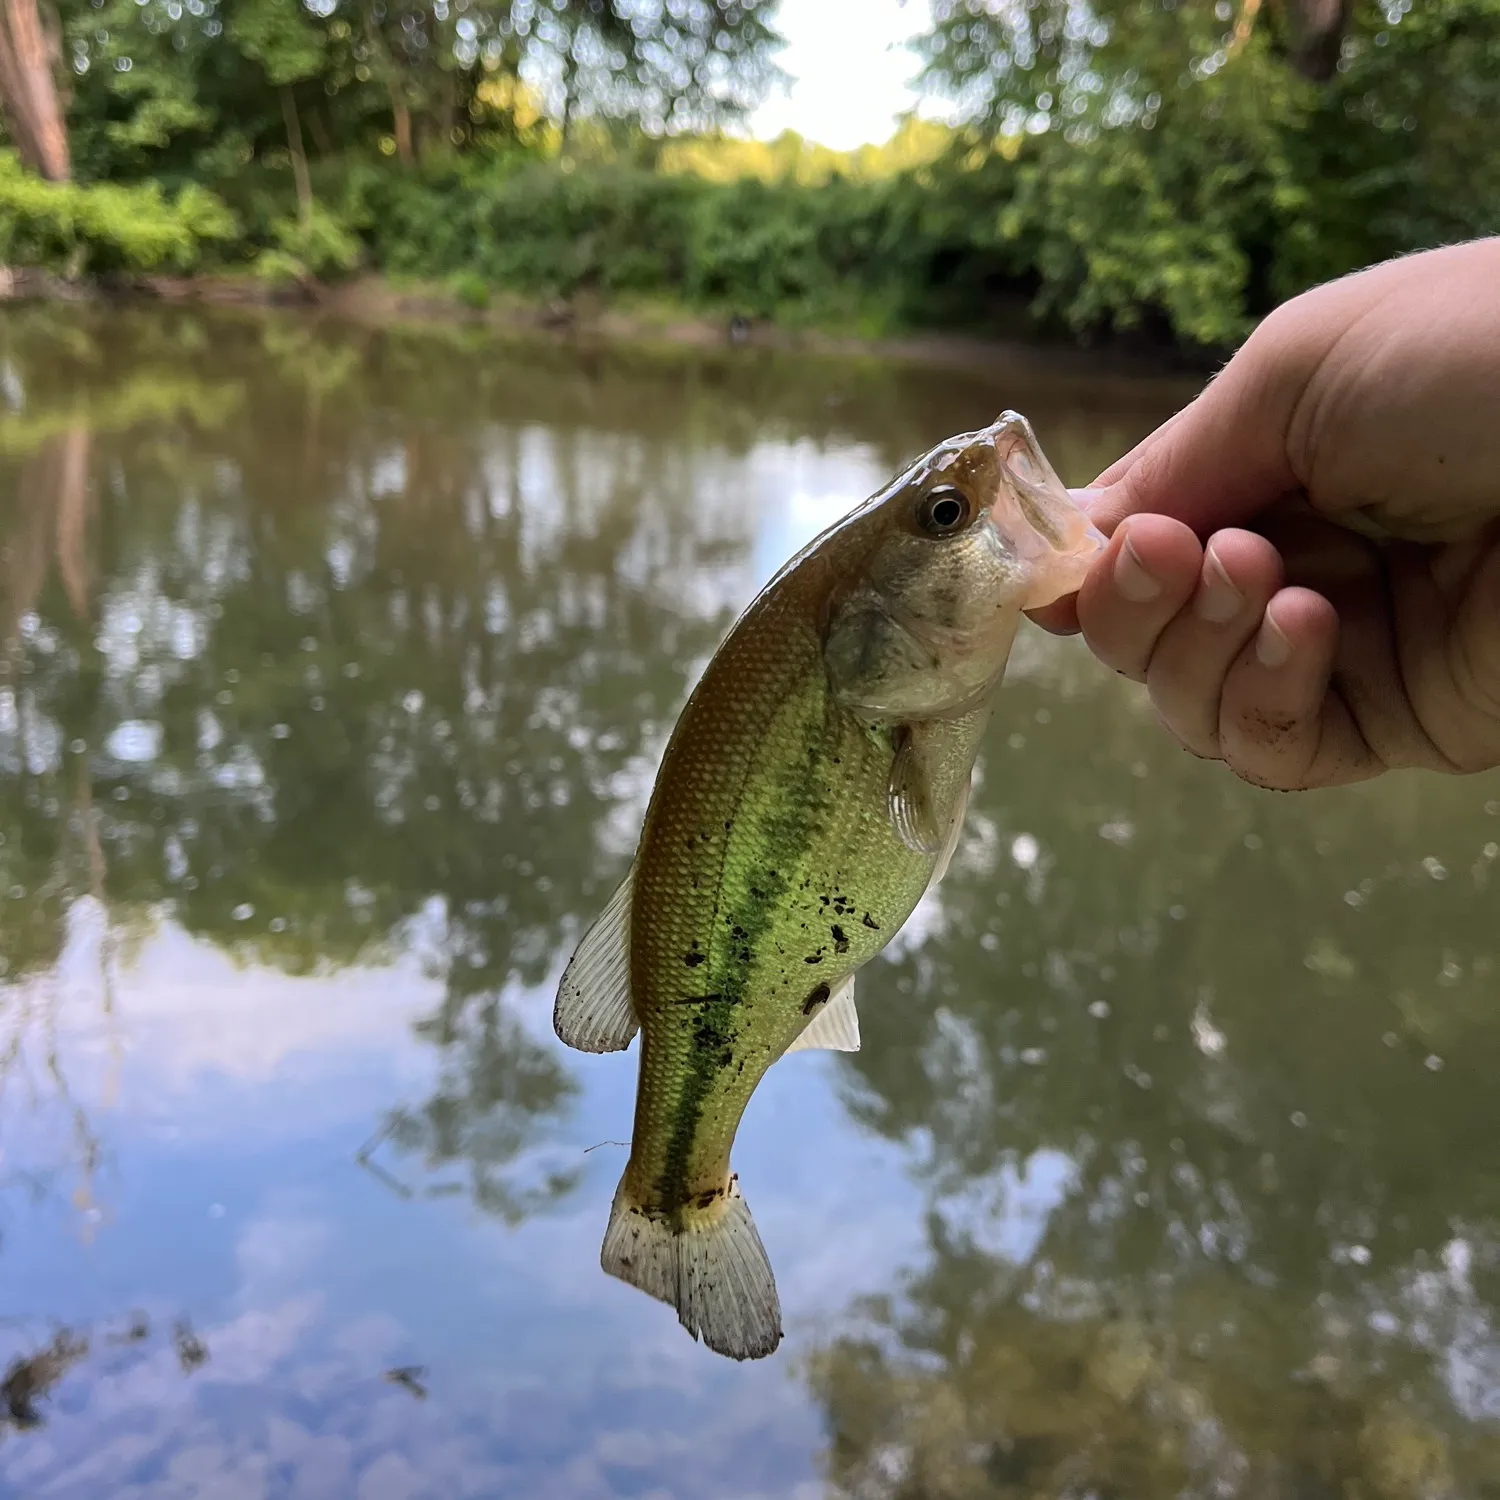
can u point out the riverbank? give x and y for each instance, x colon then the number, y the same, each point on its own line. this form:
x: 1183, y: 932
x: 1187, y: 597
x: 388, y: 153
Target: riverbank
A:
x: 378, y: 301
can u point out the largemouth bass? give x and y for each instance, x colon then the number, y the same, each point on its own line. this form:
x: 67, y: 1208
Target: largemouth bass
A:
x: 812, y: 790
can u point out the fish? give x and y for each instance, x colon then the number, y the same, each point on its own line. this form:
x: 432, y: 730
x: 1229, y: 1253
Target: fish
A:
x: 812, y: 790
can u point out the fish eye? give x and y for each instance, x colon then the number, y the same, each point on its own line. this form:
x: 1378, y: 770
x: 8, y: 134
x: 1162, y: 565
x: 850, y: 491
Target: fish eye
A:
x: 944, y: 510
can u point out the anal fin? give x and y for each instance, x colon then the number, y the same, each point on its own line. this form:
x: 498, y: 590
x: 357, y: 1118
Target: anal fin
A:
x: 835, y: 1028
x: 593, y: 1011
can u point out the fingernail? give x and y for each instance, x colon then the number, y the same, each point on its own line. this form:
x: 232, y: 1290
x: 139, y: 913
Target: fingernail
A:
x: 1272, y: 649
x: 1086, y: 499
x: 1131, y: 577
x: 1218, y: 600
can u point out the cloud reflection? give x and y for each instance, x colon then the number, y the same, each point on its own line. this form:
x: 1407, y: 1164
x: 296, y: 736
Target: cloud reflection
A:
x: 316, y: 755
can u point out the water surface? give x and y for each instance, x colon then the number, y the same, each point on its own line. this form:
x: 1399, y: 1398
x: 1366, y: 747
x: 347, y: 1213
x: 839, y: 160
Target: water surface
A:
x: 334, y: 668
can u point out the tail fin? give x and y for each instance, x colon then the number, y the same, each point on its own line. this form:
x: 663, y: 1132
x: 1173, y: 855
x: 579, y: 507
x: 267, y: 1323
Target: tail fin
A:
x: 714, y: 1271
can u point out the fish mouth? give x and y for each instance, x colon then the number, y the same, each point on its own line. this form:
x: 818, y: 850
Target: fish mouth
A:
x: 1031, y: 493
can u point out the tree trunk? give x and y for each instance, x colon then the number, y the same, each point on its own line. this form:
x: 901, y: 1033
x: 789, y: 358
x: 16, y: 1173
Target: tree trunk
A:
x: 1244, y: 24
x: 73, y: 517
x: 299, y: 156
x: 1317, y: 30
x: 52, y: 512
x: 28, y: 91
x: 388, y: 68
x: 318, y: 128
x: 449, y: 110
x: 401, y: 116
x: 566, y: 127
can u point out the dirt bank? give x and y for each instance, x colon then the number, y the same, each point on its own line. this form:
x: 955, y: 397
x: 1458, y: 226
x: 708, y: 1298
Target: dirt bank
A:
x: 376, y: 301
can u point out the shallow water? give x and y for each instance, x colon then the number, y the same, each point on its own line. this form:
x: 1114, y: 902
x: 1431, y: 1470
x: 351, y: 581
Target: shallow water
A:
x: 333, y: 671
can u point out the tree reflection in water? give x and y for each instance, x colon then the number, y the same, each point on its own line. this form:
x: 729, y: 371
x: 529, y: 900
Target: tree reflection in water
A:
x: 316, y: 677
x: 318, y: 641
x: 330, y: 646
x: 1206, y: 1117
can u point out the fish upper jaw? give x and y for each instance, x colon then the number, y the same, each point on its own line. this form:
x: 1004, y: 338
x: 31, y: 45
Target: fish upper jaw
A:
x: 1033, y: 514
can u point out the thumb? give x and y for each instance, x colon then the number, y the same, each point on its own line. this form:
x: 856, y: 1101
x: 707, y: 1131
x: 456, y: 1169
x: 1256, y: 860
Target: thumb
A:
x: 1223, y: 458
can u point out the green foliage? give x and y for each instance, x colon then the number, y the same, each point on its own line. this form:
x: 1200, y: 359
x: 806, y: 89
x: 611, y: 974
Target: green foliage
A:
x: 1400, y: 152
x: 104, y: 226
x: 1112, y: 230
x: 311, y: 246
x: 281, y: 36
x: 158, y: 85
x: 538, y: 229
x: 1185, y: 160
x: 1173, y: 166
x: 844, y: 252
x: 471, y: 289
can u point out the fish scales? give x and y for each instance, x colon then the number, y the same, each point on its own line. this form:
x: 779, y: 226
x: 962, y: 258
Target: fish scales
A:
x: 813, y: 789
x: 767, y: 869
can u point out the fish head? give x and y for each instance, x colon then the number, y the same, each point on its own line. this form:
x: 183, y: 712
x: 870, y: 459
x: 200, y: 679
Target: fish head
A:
x: 941, y: 564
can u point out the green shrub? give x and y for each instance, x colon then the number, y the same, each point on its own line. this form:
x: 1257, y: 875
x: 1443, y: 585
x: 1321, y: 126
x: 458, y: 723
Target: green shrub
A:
x: 316, y: 243
x: 860, y: 253
x: 471, y: 289
x: 105, y: 226
x: 1241, y: 185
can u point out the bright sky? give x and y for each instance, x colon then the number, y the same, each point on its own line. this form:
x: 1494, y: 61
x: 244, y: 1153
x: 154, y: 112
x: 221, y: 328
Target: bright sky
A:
x: 850, y: 70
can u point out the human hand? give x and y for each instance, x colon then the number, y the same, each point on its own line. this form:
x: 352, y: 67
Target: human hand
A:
x: 1300, y: 652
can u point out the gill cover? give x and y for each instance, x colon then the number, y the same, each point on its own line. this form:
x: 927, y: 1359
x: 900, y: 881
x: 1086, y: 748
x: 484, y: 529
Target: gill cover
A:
x: 976, y: 531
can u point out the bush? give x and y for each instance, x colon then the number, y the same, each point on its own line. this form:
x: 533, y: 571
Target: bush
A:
x: 105, y: 226
x: 471, y: 289
x: 313, y: 246
x: 1243, y: 184
x: 845, y: 252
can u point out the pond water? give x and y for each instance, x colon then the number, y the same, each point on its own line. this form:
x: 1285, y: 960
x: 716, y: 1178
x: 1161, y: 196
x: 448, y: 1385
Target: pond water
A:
x: 334, y: 668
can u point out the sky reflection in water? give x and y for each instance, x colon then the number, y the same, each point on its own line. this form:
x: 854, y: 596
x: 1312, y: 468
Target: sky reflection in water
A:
x: 335, y: 669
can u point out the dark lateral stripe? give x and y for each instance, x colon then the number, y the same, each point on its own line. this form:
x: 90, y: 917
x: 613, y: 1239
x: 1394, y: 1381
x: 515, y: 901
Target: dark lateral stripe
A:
x: 785, y: 808
x: 713, y: 1038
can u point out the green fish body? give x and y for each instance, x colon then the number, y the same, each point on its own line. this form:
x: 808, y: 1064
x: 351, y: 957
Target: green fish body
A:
x: 813, y: 789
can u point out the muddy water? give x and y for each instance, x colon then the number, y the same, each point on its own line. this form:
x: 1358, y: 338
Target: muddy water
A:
x: 334, y: 667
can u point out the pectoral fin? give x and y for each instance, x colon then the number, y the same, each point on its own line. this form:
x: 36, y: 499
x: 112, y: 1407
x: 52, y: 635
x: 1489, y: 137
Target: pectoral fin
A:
x: 593, y: 1011
x: 945, y: 854
x: 909, y: 797
x: 836, y: 1025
